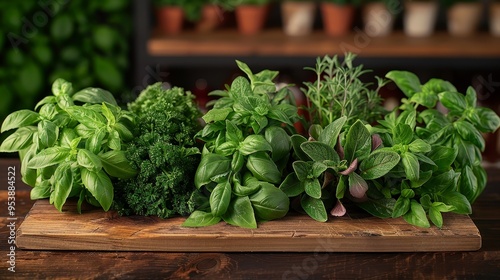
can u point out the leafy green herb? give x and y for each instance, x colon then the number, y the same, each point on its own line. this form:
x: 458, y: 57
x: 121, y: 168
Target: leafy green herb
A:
x: 246, y: 150
x: 164, y: 153
x: 70, y: 150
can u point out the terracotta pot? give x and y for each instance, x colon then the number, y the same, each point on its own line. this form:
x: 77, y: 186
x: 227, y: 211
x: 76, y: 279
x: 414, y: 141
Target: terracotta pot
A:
x: 298, y: 17
x: 495, y: 18
x: 250, y: 18
x: 420, y: 18
x: 337, y: 20
x: 211, y: 18
x: 170, y: 19
x: 463, y: 18
x: 377, y: 19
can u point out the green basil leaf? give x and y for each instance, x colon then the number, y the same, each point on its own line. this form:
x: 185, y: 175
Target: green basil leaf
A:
x: 411, y: 166
x: 19, y: 140
x: 48, y: 157
x: 487, y: 120
x: 48, y: 133
x: 254, y: 143
x: 240, y: 87
x: 331, y: 132
x: 233, y: 133
x: 358, y: 142
x: 297, y: 141
x: 63, y: 183
x: 469, y: 133
x: 123, y: 131
x: 220, y: 198
x: 436, y: 217
x: 419, y: 146
x: 312, y: 188
x: 227, y: 148
x: 277, y: 114
x: 247, y: 190
x: 237, y: 161
x: 269, y: 202
x: 440, y: 183
x: 406, y: 81
x: 416, y: 216
x: 425, y: 98
x: 443, y: 157
x: 453, y: 101
x: 381, y: 208
x: 263, y: 168
x: 87, y: 159
x: 401, y: 207
x: 318, y: 151
x: 114, y: 141
x: 408, y: 117
x: 441, y: 207
x: 19, y: 119
x: 115, y: 163
x: 40, y: 191
x: 481, y: 177
x: 75, y: 143
x: 468, y: 154
x: 314, y: 207
x: 87, y: 116
x: 378, y: 163
x: 471, y: 97
x: 259, y: 123
x: 66, y: 136
x: 200, y: 219
x: 423, y: 177
x: 402, y: 134
x: 94, y: 96
x: 437, y: 85
x: 46, y: 100
x: 64, y: 101
x: 94, y: 143
x: 62, y: 87
x: 240, y: 213
x: 48, y: 111
x: 279, y: 141
x: 211, y: 165
x: 29, y: 176
x: 108, y: 114
x: 457, y: 200
x: 99, y: 185
x: 217, y: 114
x: 467, y: 184
x: 291, y: 186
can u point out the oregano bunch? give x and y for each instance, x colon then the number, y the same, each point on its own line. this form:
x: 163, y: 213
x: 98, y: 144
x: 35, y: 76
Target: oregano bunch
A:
x: 71, y: 145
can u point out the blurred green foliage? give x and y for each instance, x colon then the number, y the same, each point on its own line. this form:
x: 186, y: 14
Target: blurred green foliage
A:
x: 83, y: 41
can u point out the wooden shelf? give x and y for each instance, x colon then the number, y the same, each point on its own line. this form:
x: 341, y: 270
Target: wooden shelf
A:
x: 275, y: 43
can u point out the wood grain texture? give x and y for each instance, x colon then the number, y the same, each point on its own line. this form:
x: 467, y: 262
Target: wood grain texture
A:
x: 45, y: 228
x: 481, y: 264
x: 274, y: 42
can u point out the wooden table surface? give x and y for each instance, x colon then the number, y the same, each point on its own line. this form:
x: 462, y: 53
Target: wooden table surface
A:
x: 481, y: 264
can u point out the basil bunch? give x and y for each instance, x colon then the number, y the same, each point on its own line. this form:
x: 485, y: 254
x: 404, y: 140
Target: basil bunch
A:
x: 69, y: 150
x: 247, y: 147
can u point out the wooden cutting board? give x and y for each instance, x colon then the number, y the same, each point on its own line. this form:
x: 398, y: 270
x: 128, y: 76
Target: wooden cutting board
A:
x: 45, y: 228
